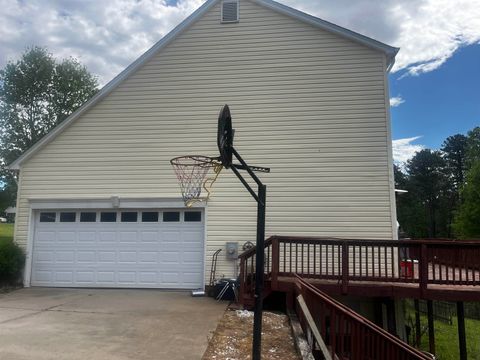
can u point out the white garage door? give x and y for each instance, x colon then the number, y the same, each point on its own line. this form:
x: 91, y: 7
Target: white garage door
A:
x: 124, y: 248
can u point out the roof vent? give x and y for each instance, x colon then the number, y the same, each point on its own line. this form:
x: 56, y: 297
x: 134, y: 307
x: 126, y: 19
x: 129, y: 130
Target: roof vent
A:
x: 230, y: 11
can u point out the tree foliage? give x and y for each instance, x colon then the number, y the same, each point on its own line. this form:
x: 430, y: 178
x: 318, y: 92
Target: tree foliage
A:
x: 37, y: 92
x: 443, y: 190
x: 473, y: 146
x: 454, y: 150
x: 467, y: 220
x: 425, y: 184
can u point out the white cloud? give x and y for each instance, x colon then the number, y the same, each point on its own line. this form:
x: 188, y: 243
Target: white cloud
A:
x: 104, y: 35
x: 428, y: 32
x: 108, y: 35
x: 396, y: 101
x: 403, y: 149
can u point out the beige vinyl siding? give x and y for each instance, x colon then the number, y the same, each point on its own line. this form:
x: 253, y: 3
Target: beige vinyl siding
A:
x: 307, y: 103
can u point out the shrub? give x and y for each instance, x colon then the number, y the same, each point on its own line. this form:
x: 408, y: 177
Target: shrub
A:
x: 12, y: 259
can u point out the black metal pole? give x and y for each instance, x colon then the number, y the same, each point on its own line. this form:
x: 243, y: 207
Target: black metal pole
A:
x: 462, y: 342
x: 259, y: 263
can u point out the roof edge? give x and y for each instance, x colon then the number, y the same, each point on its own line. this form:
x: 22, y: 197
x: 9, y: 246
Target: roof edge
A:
x: 112, y: 84
x: 389, y: 51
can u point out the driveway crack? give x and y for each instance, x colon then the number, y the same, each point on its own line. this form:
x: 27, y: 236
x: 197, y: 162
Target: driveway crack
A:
x: 34, y: 312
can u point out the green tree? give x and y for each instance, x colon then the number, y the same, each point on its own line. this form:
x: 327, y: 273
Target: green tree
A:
x: 467, y: 219
x: 427, y: 182
x: 37, y: 92
x: 410, y: 210
x: 473, y: 146
x: 454, y: 150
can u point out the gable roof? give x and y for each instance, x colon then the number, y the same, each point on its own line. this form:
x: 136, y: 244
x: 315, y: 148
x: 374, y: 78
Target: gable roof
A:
x: 389, y: 52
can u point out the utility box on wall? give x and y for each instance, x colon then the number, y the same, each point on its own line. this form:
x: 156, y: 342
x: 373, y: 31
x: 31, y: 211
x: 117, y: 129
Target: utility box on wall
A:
x: 232, y: 250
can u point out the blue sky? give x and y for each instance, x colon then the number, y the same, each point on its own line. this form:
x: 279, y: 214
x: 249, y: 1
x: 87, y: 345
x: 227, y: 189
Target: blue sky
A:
x: 438, y: 103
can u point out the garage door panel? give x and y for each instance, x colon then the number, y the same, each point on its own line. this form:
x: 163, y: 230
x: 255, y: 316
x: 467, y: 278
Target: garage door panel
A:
x: 86, y: 256
x: 62, y: 257
x: 192, y: 257
x: 118, y: 254
x: 64, y: 277
x: 87, y: 236
x: 106, y: 277
x: 191, y: 278
x: 148, y: 277
x: 171, y: 237
x: 170, y: 278
x: 107, y: 257
x: 150, y: 236
x: 44, y: 257
x: 170, y: 257
x: 127, y: 277
x: 43, y: 276
x: 66, y: 236
x: 127, y: 257
x: 45, y: 237
x: 86, y: 277
x: 127, y: 236
x: 192, y: 236
x: 108, y: 236
x: 148, y: 257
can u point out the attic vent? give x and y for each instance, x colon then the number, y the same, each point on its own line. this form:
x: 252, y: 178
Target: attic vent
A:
x: 229, y: 11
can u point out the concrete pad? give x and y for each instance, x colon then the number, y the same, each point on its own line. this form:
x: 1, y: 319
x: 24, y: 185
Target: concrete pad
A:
x: 38, y: 298
x: 106, y: 324
x: 11, y: 314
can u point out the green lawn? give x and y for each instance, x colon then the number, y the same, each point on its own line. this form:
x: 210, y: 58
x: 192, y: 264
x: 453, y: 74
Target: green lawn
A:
x: 446, y: 337
x: 6, y: 231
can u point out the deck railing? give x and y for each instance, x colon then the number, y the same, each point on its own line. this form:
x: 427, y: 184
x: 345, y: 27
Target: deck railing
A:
x: 247, y: 268
x: 336, y: 332
x: 421, y: 262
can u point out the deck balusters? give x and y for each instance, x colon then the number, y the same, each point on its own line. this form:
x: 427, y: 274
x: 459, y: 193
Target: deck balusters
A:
x: 398, y: 261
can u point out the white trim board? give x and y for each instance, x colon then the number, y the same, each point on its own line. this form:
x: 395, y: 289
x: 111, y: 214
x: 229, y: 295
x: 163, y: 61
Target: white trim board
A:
x: 113, y: 202
x: 389, y: 52
x: 391, y: 177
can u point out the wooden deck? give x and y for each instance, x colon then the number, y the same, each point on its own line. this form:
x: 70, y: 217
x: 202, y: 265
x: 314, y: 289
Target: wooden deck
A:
x: 426, y: 269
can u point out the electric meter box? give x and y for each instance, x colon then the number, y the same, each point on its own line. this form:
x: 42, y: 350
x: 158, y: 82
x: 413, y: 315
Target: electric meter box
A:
x: 232, y: 250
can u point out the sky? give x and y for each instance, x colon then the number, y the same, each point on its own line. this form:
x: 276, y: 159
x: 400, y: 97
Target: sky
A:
x: 434, y: 85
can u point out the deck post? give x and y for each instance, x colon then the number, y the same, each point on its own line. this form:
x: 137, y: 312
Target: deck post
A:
x: 275, y: 262
x: 423, y: 269
x: 344, y: 268
x: 462, y: 342
x: 431, y: 327
x: 418, y: 328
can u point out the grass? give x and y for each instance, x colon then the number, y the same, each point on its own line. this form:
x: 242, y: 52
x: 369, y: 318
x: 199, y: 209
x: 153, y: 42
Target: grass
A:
x: 6, y: 232
x: 446, y: 337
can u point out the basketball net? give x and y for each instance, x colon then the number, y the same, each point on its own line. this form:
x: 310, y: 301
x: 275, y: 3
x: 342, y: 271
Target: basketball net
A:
x: 192, y: 172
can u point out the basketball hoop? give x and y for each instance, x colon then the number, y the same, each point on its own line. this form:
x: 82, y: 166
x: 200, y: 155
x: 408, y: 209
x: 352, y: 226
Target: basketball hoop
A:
x: 193, y: 175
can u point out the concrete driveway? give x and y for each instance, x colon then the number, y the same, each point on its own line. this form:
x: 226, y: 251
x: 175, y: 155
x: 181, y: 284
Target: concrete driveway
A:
x: 53, y: 323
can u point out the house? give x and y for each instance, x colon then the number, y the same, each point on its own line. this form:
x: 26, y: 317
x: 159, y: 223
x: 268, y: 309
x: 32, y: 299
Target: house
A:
x: 10, y: 213
x: 98, y: 202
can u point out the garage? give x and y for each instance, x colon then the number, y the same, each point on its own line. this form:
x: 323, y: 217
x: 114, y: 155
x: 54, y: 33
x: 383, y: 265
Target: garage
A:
x: 149, y: 248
